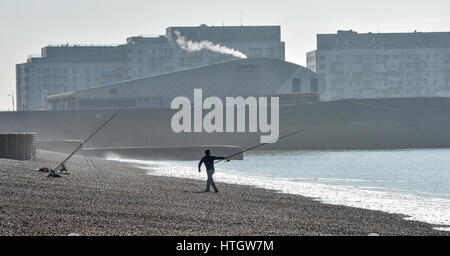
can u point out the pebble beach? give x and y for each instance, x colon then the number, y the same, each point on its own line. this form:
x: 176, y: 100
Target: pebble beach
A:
x: 109, y: 198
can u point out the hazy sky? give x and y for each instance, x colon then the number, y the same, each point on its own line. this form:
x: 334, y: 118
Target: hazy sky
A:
x: 28, y: 25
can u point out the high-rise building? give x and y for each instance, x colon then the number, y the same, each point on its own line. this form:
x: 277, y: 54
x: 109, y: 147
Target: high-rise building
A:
x: 377, y: 65
x: 66, y: 68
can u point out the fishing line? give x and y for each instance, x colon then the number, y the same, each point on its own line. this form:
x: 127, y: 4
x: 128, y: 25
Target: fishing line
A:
x: 92, y: 135
x: 262, y: 144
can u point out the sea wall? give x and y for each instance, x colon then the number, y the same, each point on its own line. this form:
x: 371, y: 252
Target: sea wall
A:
x: 344, y: 124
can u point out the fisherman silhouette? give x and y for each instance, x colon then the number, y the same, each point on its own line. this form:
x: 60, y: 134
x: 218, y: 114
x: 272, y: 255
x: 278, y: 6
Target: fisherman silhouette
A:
x: 208, y: 160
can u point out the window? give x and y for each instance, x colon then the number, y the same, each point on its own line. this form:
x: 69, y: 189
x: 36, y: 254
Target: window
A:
x: 314, y: 85
x: 259, y: 52
x: 112, y: 91
x: 296, y: 85
x: 269, y: 52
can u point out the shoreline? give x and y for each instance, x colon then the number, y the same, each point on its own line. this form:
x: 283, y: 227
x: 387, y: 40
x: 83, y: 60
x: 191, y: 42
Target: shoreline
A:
x: 105, y: 197
x: 431, y: 210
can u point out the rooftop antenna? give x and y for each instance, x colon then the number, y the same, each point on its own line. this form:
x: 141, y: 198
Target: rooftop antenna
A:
x: 12, y: 99
x: 242, y: 18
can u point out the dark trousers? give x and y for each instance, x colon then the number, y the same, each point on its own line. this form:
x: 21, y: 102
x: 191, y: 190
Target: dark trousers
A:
x: 210, y: 181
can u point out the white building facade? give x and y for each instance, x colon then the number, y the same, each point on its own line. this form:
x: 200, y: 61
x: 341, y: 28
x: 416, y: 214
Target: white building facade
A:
x: 67, y: 68
x: 382, y: 65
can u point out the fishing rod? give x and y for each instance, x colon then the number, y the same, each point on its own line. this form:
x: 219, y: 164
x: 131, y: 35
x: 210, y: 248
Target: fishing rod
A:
x: 92, y: 135
x: 262, y: 144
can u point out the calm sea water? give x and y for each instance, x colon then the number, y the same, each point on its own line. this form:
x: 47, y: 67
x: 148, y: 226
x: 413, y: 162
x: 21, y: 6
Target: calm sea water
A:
x: 411, y: 182
x: 421, y: 172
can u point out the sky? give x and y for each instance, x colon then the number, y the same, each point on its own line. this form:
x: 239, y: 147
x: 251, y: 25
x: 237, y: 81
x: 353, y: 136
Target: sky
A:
x: 28, y: 25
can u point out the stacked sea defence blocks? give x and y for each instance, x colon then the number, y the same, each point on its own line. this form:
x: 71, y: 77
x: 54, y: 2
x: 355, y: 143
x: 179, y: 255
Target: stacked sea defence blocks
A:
x: 18, y: 146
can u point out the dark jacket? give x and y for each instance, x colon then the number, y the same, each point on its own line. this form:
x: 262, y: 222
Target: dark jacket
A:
x: 209, y: 162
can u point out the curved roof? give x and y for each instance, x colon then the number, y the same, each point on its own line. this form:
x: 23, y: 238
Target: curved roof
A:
x: 243, y: 77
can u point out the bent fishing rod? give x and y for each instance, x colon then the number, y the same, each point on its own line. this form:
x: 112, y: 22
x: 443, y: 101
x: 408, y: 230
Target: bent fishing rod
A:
x: 262, y: 144
x: 88, y: 138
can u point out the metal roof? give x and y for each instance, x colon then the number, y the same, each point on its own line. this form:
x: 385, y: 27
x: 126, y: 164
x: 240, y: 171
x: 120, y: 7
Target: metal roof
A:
x: 243, y: 77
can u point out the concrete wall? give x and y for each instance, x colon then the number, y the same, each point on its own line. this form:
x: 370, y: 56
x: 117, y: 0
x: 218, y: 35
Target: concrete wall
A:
x: 345, y: 124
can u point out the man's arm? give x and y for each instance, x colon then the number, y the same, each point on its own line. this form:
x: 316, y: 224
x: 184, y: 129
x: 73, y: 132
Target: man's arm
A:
x: 200, y: 165
x: 221, y: 158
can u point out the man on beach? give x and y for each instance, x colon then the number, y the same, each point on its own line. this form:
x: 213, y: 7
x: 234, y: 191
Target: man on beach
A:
x: 208, y: 160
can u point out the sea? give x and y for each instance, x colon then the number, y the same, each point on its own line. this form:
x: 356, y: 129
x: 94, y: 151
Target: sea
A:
x: 412, y: 182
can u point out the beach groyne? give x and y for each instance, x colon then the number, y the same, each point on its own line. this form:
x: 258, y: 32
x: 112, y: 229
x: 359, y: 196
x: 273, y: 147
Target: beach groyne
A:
x: 184, y: 153
x: 181, y: 153
x: 61, y: 146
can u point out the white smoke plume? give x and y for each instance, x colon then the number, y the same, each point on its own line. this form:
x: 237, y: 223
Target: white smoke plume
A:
x: 191, y: 46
